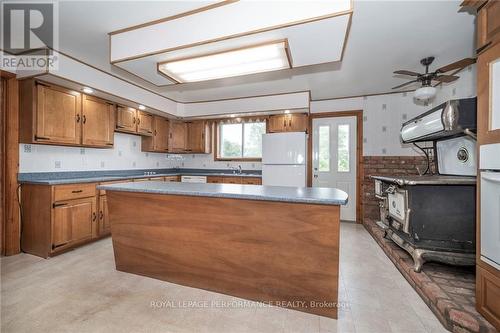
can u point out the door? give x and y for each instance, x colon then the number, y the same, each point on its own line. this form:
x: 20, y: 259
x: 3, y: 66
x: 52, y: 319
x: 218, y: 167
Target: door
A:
x: 126, y: 119
x: 334, y: 158
x: 58, y: 114
x: 196, y: 136
x: 73, y: 221
x: 177, y: 136
x: 104, y: 226
x: 98, y: 121
x: 144, y: 123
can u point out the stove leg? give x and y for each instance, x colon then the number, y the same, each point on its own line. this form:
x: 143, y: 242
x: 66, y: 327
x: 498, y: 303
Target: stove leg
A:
x: 418, y: 260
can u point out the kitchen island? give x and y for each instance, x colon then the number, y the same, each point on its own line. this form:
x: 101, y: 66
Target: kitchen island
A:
x: 277, y: 245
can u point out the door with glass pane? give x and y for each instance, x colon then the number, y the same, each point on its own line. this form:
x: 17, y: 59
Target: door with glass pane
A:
x: 334, y: 158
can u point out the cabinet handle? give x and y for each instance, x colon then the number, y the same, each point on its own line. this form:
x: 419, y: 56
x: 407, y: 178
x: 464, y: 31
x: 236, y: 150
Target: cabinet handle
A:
x: 78, y: 118
x: 58, y: 205
x: 290, y: 122
x: 41, y: 138
x: 138, y: 121
x: 100, y: 215
x: 155, y: 132
x: 284, y: 122
x: 133, y: 120
x: 94, y: 216
x: 84, y: 119
x: 77, y: 191
x: 120, y: 126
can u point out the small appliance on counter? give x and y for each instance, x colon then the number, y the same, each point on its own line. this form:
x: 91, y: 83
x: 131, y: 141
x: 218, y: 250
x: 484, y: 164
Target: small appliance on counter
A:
x: 433, y: 216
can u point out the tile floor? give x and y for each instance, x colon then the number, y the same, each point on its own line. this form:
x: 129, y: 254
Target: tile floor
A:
x: 81, y: 291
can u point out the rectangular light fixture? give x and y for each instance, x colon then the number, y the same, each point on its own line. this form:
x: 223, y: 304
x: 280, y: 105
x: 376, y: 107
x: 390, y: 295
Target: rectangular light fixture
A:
x: 242, y: 61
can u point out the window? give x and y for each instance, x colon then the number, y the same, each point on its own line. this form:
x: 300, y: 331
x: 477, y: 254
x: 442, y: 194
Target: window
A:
x: 324, y: 148
x: 343, y: 149
x: 241, y: 140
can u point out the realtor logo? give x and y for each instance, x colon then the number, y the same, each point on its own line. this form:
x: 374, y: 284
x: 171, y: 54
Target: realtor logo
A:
x: 29, y: 34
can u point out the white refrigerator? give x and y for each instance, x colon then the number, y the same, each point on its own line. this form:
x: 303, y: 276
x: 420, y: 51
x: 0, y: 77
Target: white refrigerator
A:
x: 284, y: 159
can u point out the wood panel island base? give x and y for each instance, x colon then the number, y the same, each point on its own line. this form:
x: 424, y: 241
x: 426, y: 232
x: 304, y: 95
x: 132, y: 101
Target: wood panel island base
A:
x: 275, y: 245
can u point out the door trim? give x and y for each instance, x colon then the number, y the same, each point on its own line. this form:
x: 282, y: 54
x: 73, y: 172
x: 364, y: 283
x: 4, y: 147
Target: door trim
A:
x: 359, y: 152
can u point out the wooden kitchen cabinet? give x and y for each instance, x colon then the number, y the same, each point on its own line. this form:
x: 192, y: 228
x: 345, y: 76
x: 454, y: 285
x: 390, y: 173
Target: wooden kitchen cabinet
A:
x: 144, y: 123
x: 198, y: 137
x: 49, y: 114
x: 126, y: 119
x: 288, y: 123
x: 488, y: 24
x: 158, y: 142
x: 104, y: 225
x: 488, y: 294
x: 177, y: 140
x: 251, y: 180
x: 215, y: 179
x: 231, y: 180
x: 98, y: 122
x: 57, y: 218
x: 172, y: 178
x: 488, y: 84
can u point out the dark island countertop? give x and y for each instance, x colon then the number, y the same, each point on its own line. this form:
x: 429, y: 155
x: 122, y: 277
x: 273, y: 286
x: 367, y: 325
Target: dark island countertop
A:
x: 311, y: 195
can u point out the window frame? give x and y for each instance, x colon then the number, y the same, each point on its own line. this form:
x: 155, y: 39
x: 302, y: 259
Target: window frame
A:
x: 241, y: 120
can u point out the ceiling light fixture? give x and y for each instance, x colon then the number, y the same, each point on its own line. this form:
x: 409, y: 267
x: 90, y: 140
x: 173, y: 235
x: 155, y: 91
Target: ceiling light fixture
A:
x: 242, y: 61
x: 88, y: 90
x: 287, y: 111
x: 142, y: 107
x: 425, y: 93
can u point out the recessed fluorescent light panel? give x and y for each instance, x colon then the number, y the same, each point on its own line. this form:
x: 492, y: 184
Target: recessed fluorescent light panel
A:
x: 248, y: 60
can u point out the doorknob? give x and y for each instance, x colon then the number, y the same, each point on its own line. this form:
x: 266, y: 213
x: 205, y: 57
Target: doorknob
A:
x: 315, y: 169
x: 315, y: 176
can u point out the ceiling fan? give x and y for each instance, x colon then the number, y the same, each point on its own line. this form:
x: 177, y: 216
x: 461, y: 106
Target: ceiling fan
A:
x: 428, y: 90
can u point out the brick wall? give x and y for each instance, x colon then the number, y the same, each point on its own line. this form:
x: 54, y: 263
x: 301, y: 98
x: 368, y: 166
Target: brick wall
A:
x: 385, y: 166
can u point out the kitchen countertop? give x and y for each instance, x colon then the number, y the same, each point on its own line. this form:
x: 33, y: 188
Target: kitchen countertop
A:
x: 312, y: 195
x: 59, y: 178
x: 428, y: 180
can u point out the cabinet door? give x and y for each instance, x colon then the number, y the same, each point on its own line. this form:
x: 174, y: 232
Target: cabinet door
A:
x: 277, y: 124
x: 73, y: 221
x: 144, y: 123
x: 161, y: 134
x: 198, y: 134
x: 177, y: 136
x: 488, y: 24
x: 215, y: 179
x: 172, y: 179
x: 58, y: 115
x: 297, y: 123
x: 126, y: 119
x: 98, y: 122
x: 231, y: 180
x: 104, y: 225
x: 488, y: 95
x: 251, y: 180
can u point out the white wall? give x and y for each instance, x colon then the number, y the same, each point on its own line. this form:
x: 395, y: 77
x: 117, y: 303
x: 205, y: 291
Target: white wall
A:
x: 384, y: 114
x: 206, y: 161
x: 126, y: 154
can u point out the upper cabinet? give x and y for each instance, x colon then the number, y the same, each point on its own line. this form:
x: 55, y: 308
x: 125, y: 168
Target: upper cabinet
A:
x: 488, y: 24
x: 177, y: 139
x: 54, y: 115
x: 98, y: 122
x: 288, y: 123
x: 158, y: 142
x: 144, y: 123
x: 130, y: 120
x: 198, y: 137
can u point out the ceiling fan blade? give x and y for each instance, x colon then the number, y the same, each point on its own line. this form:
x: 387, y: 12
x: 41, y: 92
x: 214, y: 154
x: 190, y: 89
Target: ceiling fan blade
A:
x: 405, y: 84
x: 446, y: 78
x: 405, y: 72
x: 452, y: 74
x: 458, y: 64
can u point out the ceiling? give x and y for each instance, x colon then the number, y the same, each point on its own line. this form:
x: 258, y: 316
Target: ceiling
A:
x: 384, y: 36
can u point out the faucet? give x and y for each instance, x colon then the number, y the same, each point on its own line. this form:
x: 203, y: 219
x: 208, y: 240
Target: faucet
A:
x: 240, y: 171
x: 236, y: 170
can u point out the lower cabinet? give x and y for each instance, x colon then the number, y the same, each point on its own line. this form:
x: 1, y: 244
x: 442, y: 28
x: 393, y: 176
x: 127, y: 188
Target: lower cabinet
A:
x: 234, y: 180
x: 56, y: 218
x: 488, y: 293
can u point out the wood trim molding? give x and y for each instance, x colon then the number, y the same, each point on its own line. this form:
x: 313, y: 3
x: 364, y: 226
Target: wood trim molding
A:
x: 359, y: 153
x: 10, y: 167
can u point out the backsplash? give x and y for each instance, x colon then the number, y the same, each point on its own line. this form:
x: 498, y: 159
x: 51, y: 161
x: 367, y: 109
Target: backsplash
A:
x: 125, y: 155
x: 206, y: 161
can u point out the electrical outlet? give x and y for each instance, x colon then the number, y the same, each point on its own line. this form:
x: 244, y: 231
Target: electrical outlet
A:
x: 134, y: 143
x: 102, y: 164
x: 57, y: 164
x: 82, y: 151
x: 405, y: 116
x: 384, y: 151
x: 27, y: 149
x: 133, y: 163
x: 157, y: 164
x: 147, y: 154
x: 384, y: 107
x: 384, y: 129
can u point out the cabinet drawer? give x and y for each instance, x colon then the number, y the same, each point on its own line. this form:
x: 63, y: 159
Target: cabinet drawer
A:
x: 232, y: 180
x: 215, y: 180
x: 172, y: 179
x: 74, y: 191
x: 251, y: 180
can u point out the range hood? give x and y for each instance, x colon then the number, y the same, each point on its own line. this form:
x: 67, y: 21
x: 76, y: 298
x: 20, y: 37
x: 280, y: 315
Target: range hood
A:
x: 448, y: 119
